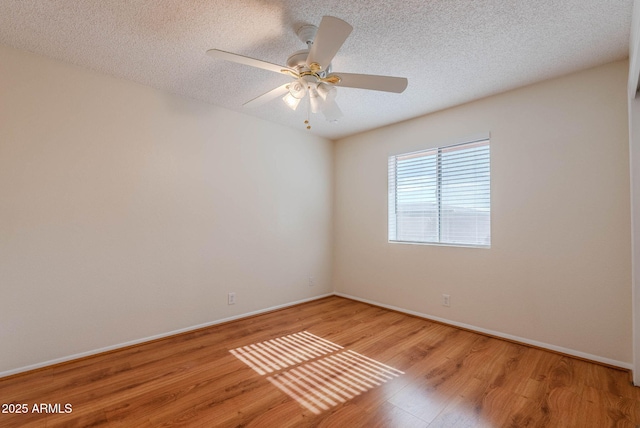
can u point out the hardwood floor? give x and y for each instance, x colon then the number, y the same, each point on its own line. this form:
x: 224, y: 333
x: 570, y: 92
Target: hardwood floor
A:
x: 348, y: 362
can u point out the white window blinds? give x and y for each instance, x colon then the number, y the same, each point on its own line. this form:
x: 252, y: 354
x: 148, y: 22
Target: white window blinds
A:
x: 441, y: 195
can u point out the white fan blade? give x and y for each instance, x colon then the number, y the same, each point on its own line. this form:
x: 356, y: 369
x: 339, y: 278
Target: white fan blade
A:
x: 331, y: 111
x: 228, y: 56
x: 370, y: 81
x: 265, y: 98
x: 331, y: 34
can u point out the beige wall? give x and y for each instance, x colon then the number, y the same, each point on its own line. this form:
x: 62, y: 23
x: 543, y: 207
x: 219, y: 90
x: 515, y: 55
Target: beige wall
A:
x: 126, y: 212
x: 559, y: 268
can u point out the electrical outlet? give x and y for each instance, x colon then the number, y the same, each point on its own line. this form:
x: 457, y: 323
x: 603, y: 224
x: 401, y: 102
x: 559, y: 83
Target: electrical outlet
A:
x: 231, y: 299
x: 312, y: 281
x: 446, y: 300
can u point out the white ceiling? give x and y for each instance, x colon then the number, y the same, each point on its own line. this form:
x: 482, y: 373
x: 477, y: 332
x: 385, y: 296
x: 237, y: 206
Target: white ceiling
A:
x: 452, y: 51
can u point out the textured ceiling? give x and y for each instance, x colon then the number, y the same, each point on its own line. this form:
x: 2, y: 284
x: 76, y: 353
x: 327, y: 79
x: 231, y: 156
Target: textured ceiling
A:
x: 452, y: 51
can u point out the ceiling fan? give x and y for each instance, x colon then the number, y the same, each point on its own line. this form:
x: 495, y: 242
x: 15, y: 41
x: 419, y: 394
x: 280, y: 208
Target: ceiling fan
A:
x: 312, y: 72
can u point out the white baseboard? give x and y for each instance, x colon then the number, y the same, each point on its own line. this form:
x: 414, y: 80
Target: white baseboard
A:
x: 523, y: 340
x: 154, y: 337
x: 572, y: 352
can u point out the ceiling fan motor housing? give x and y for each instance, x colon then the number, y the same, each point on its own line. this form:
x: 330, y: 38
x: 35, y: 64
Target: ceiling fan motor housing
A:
x: 298, y: 61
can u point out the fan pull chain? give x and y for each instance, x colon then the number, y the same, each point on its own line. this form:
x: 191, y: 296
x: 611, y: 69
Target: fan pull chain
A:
x: 307, y: 122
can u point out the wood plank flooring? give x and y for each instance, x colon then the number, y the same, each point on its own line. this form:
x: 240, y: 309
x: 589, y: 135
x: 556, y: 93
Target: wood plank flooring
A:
x: 452, y: 378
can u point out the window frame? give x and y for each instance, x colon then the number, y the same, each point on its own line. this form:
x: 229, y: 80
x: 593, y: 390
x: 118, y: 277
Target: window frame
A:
x: 392, y: 192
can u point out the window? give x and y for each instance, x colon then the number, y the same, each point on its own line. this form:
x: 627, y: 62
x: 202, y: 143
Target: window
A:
x: 441, y: 196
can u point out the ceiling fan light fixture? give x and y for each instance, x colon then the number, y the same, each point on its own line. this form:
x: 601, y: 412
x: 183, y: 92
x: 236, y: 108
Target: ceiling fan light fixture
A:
x: 291, y: 101
x: 327, y: 92
x: 315, y: 101
x: 298, y: 89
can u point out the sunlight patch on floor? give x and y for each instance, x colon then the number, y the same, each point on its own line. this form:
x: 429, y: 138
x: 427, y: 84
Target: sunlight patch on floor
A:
x: 315, y: 372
